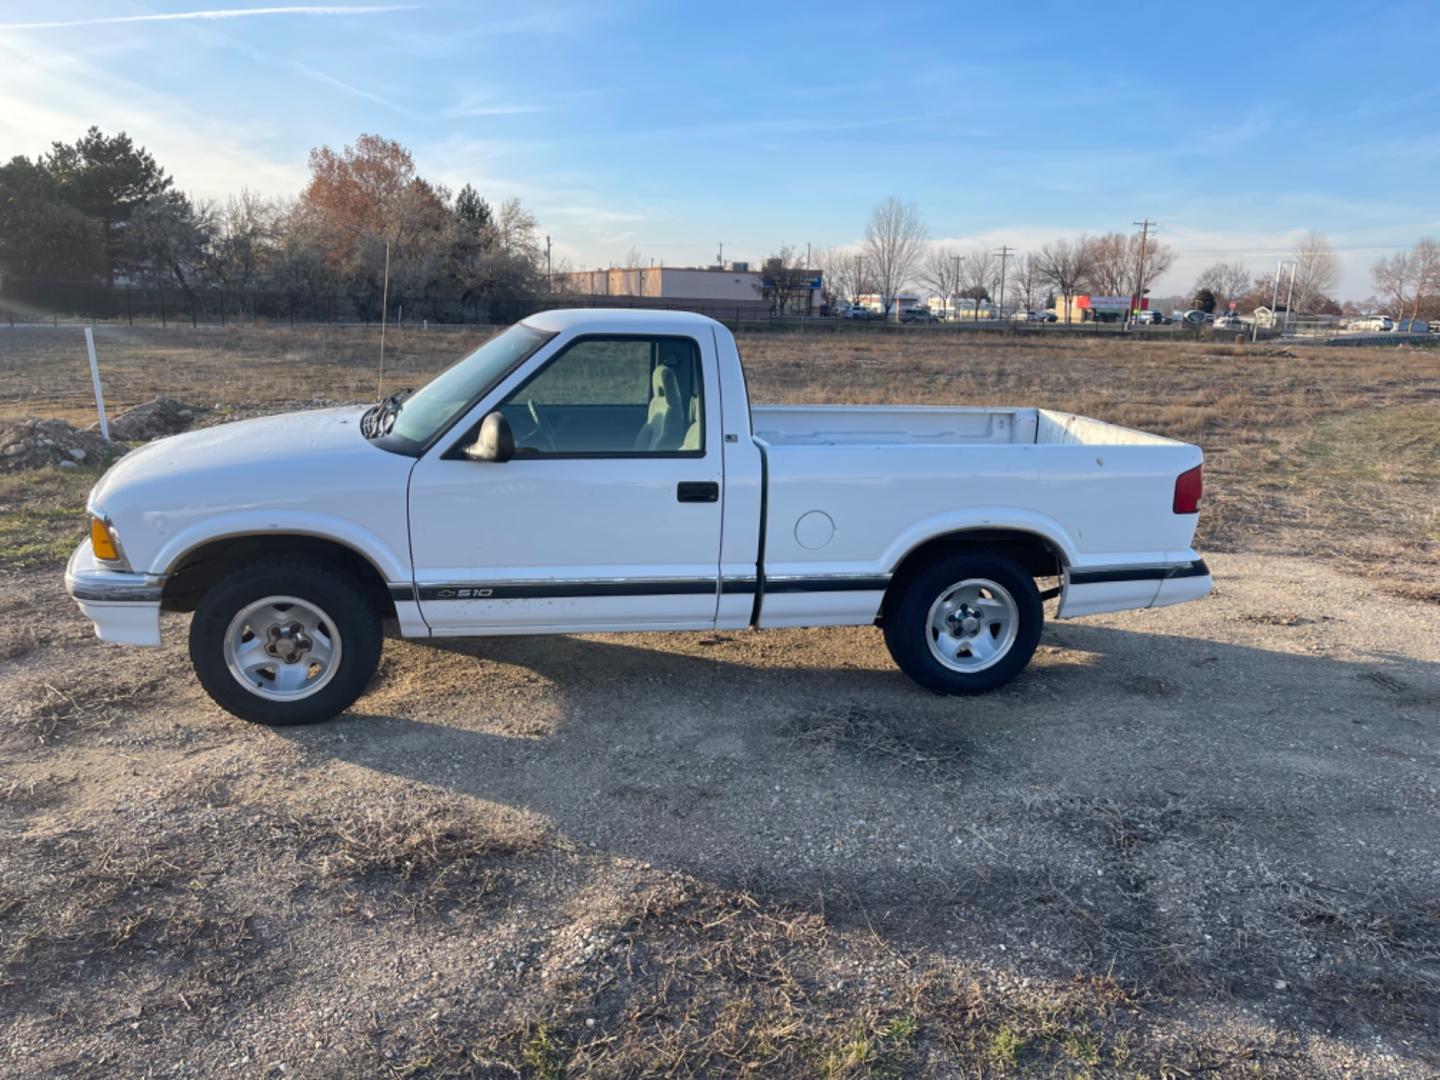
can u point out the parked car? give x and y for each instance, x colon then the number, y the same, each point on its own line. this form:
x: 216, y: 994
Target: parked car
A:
x: 858, y: 311
x: 1151, y: 318
x: 1026, y: 316
x: 918, y: 315
x: 589, y: 471
x: 1371, y: 324
x: 1413, y: 326
x: 1228, y: 322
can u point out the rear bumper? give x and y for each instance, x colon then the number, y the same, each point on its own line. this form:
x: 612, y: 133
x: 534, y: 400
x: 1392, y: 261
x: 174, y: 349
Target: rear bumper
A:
x: 125, y: 607
x: 1091, y: 591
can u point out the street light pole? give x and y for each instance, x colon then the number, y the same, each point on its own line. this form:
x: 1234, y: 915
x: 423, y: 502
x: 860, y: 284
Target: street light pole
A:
x: 1004, y: 254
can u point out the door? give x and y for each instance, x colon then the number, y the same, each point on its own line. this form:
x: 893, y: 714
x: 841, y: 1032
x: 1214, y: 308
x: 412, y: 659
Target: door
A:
x: 608, y: 515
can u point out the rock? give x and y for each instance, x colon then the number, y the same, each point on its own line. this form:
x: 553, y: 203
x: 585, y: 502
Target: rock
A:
x: 155, y: 419
x: 38, y: 444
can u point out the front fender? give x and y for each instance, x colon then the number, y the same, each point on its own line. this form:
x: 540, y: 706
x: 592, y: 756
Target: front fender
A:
x: 392, y: 565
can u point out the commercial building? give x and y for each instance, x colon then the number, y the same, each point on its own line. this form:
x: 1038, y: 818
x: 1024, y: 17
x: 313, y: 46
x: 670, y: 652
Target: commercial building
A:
x: 1085, y: 308
x: 717, y: 290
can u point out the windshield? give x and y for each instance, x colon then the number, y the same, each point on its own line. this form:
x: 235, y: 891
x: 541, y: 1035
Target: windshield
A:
x: 423, y: 415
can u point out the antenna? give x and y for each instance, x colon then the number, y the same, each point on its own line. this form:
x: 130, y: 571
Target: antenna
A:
x: 384, y: 308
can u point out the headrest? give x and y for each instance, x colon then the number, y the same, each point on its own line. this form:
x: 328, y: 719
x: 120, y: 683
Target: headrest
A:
x: 663, y: 384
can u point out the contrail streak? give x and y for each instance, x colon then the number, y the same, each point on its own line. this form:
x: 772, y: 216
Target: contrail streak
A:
x: 223, y: 13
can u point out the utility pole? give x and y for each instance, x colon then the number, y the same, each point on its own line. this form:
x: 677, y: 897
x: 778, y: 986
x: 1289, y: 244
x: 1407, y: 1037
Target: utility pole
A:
x: 1004, y: 254
x: 1274, y: 297
x: 809, y: 290
x: 1290, y: 295
x: 955, y: 292
x: 1140, y: 282
x: 720, y: 258
x: 549, y: 280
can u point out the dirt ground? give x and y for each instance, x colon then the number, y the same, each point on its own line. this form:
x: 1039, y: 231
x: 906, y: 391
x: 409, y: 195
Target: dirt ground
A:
x: 1201, y: 840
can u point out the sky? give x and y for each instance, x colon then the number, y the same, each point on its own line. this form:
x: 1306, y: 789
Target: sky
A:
x: 671, y: 128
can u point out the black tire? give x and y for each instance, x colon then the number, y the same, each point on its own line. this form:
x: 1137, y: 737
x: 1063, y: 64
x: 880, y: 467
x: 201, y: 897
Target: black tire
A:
x: 334, y: 592
x: 907, y: 622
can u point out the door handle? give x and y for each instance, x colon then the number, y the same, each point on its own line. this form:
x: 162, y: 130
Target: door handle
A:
x: 701, y: 491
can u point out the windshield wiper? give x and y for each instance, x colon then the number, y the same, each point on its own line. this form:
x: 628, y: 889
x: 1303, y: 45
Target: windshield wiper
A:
x: 380, y: 418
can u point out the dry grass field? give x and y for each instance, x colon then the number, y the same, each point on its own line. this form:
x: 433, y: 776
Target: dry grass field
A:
x: 1199, y: 841
x: 1310, y: 450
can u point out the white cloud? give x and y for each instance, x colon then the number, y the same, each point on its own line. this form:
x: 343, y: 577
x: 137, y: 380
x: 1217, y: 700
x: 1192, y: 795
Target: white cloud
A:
x: 208, y: 156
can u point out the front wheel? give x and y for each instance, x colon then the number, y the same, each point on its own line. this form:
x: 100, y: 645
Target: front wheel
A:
x: 289, y: 644
x: 965, y: 624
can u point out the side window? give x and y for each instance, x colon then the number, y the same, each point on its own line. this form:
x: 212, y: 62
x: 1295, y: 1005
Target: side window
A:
x: 612, y: 395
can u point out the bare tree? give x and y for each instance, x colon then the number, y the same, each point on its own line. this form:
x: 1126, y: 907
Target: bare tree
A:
x: 1159, y: 257
x: 1317, y: 271
x: 941, y: 275
x: 894, y: 244
x: 1064, y: 265
x: 243, y: 232
x: 1395, y: 279
x: 844, y: 274
x: 1425, y: 258
x: 1112, y: 269
x: 784, y: 279
x: 1116, y: 267
x: 1026, y: 280
x: 1227, y: 282
x: 979, y: 270
x: 166, y: 238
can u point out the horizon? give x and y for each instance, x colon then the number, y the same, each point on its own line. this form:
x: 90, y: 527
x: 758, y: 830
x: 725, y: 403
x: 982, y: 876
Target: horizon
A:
x: 670, y: 133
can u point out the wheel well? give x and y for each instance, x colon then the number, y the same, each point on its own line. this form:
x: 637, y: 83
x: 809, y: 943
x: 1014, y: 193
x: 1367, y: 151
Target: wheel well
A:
x: 1036, y: 555
x: 205, y: 565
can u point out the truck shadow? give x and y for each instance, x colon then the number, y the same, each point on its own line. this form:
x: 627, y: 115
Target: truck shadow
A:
x: 800, y: 774
x: 1175, y: 811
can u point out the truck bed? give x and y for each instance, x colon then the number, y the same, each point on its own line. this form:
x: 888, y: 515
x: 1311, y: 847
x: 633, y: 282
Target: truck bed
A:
x: 839, y: 479
x: 921, y: 425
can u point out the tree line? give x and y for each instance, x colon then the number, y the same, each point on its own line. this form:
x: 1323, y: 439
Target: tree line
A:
x: 897, y: 254
x: 102, y: 209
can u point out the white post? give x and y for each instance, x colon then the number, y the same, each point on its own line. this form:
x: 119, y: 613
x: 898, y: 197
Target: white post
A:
x: 95, y: 379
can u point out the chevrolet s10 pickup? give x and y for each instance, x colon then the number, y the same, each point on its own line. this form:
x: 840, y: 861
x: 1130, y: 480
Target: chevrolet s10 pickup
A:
x: 590, y: 471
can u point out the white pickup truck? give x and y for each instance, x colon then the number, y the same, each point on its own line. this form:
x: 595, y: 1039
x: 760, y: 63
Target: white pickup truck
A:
x: 589, y: 471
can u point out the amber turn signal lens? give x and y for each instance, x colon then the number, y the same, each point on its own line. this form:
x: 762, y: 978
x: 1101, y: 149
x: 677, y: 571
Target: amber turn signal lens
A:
x: 102, y: 542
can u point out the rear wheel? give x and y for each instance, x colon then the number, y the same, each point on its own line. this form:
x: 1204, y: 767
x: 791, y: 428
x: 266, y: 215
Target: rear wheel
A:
x: 965, y: 624
x: 289, y: 644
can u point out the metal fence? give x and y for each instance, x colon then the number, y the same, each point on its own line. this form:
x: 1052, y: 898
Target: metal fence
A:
x: 32, y: 301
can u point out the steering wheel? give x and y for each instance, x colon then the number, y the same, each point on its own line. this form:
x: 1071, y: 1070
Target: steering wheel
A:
x: 542, y: 428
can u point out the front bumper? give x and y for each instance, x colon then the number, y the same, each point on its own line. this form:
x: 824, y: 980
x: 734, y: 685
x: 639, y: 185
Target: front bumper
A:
x: 125, y: 607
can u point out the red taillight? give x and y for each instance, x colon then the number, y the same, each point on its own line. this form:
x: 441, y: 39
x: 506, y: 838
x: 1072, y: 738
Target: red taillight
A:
x: 1189, y: 486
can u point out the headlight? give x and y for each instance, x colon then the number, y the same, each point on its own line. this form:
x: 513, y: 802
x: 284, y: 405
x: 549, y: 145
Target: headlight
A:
x: 103, y: 542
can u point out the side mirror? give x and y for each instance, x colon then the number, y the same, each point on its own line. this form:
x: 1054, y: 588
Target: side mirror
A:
x: 496, y: 441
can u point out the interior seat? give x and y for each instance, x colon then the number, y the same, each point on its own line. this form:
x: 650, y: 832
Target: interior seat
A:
x: 664, y: 426
x: 692, y: 433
